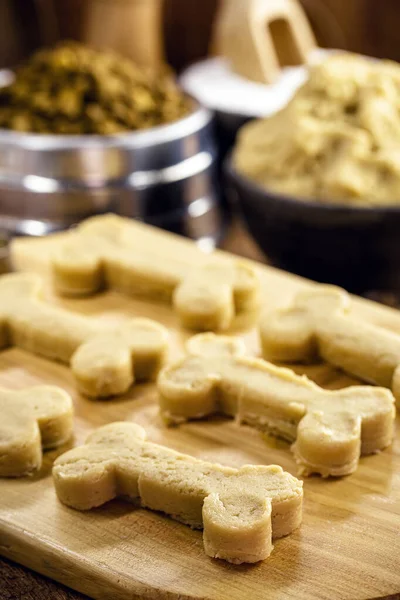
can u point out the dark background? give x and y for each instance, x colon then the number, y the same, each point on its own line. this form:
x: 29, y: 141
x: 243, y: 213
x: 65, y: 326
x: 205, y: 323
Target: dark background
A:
x: 367, y: 26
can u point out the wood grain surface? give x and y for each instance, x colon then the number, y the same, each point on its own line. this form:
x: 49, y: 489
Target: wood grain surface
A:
x: 348, y: 547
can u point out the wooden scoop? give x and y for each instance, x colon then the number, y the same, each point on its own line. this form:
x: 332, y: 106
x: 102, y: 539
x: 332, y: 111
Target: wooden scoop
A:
x: 259, y: 37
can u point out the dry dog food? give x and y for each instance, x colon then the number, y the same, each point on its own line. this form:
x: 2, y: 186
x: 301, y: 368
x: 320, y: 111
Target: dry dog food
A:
x: 72, y: 89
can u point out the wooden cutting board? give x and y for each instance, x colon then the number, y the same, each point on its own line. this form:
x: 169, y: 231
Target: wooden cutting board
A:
x: 348, y: 547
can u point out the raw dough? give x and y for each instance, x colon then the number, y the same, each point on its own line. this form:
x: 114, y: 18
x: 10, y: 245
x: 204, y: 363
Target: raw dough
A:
x: 32, y: 419
x: 105, y: 361
x: 330, y: 429
x: 319, y: 322
x: 105, y: 252
x: 239, y: 509
x: 337, y: 141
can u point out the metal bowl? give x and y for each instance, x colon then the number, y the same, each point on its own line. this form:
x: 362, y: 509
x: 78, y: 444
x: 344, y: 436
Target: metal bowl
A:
x: 164, y: 176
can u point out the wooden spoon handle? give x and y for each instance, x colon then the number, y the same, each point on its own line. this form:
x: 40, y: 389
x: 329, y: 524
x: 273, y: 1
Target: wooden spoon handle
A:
x: 130, y: 27
x: 261, y: 36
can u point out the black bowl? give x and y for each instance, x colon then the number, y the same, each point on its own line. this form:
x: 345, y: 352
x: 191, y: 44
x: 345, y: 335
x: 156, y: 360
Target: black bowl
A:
x: 356, y: 248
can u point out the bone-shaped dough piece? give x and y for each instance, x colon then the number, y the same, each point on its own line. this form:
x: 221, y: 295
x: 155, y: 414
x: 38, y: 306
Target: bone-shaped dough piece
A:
x: 330, y: 428
x: 240, y: 510
x: 105, y: 361
x: 32, y: 419
x: 319, y: 322
x: 103, y: 252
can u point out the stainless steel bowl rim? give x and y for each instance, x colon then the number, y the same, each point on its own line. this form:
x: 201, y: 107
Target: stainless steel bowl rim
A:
x: 52, y: 163
x: 136, y: 180
x: 199, y: 118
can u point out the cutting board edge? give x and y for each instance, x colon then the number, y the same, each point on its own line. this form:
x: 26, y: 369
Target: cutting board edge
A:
x: 36, y: 554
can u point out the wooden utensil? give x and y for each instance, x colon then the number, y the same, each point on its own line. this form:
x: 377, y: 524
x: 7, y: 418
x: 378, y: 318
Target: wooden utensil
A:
x: 131, y: 27
x: 259, y: 37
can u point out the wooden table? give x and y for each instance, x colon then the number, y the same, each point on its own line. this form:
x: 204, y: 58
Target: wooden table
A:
x: 19, y: 583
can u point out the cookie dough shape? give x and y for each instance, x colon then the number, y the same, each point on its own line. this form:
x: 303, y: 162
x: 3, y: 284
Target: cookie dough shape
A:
x: 330, y: 429
x: 319, y: 323
x: 105, y: 361
x: 103, y: 252
x: 32, y: 419
x: 240, y: 510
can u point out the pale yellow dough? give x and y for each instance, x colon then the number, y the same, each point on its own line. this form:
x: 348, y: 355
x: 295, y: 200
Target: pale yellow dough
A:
x: 338, y: 139
x: 106, y: 252
x: 320, y: 323
x: 240, y: 510
x: 330, y: 429
x: 105, y: 361
x: 32, y: 419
